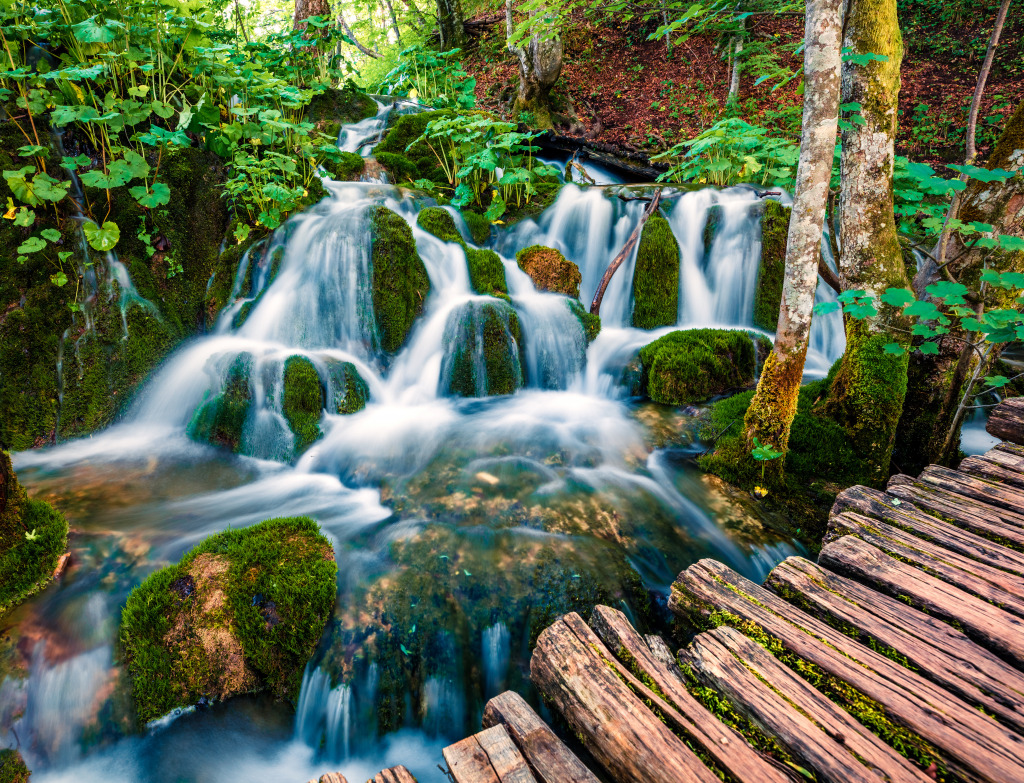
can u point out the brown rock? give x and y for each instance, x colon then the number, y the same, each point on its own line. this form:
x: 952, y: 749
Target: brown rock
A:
x: 550, y: 270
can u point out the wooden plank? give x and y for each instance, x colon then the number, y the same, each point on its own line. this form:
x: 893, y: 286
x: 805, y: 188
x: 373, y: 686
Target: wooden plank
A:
x: 985, y: 623
x: 991, y: 584
x: 468, y: 762
x: 996, y: 524
x: 967, y: 742
x: 1010, y: 448
x: 397, y: 774
x: 546, y: 755
x: 506, y: 760
x: 725, y: 746
x: 935, y: 649
x: 996, y: 465
x: 984, y: 490
x: 819, y: 734
x: 1006, y: 420
x: 908, y: 517
x: 622, y: 734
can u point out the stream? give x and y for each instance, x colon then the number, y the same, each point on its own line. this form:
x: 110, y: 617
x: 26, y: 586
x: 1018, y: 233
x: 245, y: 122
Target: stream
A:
x: 568, y: 476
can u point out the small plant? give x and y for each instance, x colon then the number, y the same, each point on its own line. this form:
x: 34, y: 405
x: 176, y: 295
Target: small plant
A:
x: 763, y: 453
x: 435, y: 78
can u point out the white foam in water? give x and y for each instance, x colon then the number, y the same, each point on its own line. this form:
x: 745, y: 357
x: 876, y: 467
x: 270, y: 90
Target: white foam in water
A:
x: 496, y: 657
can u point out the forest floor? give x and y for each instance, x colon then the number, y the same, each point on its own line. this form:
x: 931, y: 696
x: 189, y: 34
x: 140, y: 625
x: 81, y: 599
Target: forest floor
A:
x: 628, y: 91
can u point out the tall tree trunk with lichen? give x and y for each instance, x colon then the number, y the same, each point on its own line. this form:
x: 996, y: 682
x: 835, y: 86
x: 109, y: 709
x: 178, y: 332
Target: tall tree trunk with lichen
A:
x: 307, y: 8
x: 937, y: 382
x: 540, y: 65
x: 773, y: 406
x: 867, y: 391
x: 451, y: 24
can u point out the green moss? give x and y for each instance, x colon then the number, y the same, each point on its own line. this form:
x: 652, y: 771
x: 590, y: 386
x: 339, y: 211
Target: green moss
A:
x: 486, y: 272
x: 349, y: 391
x: 400, y: 167
x: 479, y: 226
x: 220, y: 420
x: 241, y: 612
x: 12, y: 767
x: 33, y: 536
x: 591, y: 323
x: 393, y: 155
x: 694, y: 365
x: 483, y: 350
x: 771, y: 269
x: 400, y: 281
x: 550, y: 270
x: 303, y: 401
x: 336, y: 107
x: 347, y: 169
x: 714, y: 218
x: 439, y: 222
x: 656, y: 276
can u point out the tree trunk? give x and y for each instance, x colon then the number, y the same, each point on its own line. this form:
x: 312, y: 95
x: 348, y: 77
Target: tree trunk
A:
x: 540, y: 65
x: 415, y: 11
x: 307, y: 8
x: 451, y: 23
x: 394, y: 20
x: 867, y: 392
x: 773, y: 407
x: 352, y: 37
x: 734, y: 79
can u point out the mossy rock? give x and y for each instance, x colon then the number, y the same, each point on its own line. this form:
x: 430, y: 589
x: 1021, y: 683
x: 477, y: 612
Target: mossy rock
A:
x: 12, y: 767
x: 479, y: 226
x: 348, y: 168
x: 590, y: 322
x: 694, y: 365
x: 550, y: 270
x: 439, y: 222
x: 483, y: 350
x: 349, y: 392
x: 771, y: 270
x: 33, y: 536
x: 336, y: 107
x: 303, y: 401
x: 418, y: 162
x: 400, y: 281
x: 400, y: 167
x: 656, y: 276
x: 486, y: 272
x: 714, y: 220
x: 220, y: 420
x: 241, y: 612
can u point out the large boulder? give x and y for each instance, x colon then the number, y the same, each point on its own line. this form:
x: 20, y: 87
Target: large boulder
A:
x: 656, y: 276
x: 550, y: 270
x: 439, y: 222
x: 303, y: 401
x: 772, y: 269
x: 221, y: 419
x: 695, y: 365
x: 400, y: 281
x: 482, y: 350
x: 241, y: 612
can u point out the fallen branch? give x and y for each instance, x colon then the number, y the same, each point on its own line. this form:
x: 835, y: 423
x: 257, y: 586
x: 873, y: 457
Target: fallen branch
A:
x: 831, y: 278
x: 595, y: 308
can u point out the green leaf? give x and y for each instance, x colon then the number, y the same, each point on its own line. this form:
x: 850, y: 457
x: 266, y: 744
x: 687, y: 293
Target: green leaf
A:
x: 824, y: 308
x: 929, y: 348
x: 26, y: 217
x: 950, y: 293
x: 102, y: 238
x: 897, y: 297
x: 997, y: 381
x: 97, y: 30
x: 983, y: 175
x: 59, y: 279
x: 894, y: 348
x: 159, y: 195
x: 51, y: 234
x: 926, y: 310
x: 31, y: 245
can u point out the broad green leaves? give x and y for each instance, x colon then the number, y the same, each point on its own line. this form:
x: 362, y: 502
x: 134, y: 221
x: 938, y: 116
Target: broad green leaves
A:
x: 102, y: 238
x: 96, y: 29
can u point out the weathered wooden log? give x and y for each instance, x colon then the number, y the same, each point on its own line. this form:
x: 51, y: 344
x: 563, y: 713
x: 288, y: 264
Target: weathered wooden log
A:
x: 985, y: 623
x: 996, y: 465
x: 991, y: 584
x: 991, y: 522
x: 935, y: 649
x: 547, y: 756
x: 1006, y: 421
x: 623, y: 735
x: 397, y: 774
x: 650, y: 209
x: 726, y: 747
x: 984, y: 490
x: 487, y: 757
x: 907, y: 516
x: 814, y: 730
x: 970, y: 744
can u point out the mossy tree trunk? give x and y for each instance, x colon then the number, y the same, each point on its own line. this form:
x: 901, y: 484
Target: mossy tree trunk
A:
x: 936, y: 383
x: 773, y: 406
x: 867, y: 392
x: 307, y: 8
x: 451, y: 24
x: 540, y: 65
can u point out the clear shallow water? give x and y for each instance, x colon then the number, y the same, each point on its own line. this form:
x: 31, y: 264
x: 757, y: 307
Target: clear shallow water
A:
x: 448, y: 515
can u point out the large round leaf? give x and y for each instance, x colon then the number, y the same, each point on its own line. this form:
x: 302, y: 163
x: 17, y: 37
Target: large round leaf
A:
x: 102, y: 238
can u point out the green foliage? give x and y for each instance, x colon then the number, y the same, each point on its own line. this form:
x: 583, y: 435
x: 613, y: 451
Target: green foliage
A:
x: 400, y: 281
x: 435, y: 78
x: 303, y: 401
x: 656, y: 276
x: 269, y: 589
x: 406, y: 159
x: 694, y: 365
x: 12, y: 767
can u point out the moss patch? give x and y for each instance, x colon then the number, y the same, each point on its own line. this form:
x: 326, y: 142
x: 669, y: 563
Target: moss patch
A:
x: 12, y: 767
x: 591, y: 323
x: 439, y: 222
x: 656, y: 276
x: 336, y: 107
x: 550, y: 270
x: 348, y: 168
x: 400, y: 281
x: 419, y: 162
x: 303, y: 401
x: 479, y: 226
x: 241, y: 612
x: 692, y: 366
x: 482, y: 351
x: 771, y: 269
x: 221, y: 419
x: 349, y: 391
x: 486, y: 272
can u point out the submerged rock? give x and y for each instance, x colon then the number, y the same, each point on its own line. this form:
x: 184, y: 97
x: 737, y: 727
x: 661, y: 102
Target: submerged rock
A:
x: 772, y: 269
x: 550, y: 270
x: 349, y: 391
x: 697, y: 364
x: 242, y: 612
x: 33, y: 536
x: 590, y: 322
x: 303, y: 401
x: 400, y: 281
x: 656, y: 276
x: 221, y: 419
x: 482, y: 350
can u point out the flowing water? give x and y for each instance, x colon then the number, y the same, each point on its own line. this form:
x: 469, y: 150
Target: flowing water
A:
x: 484, y: 506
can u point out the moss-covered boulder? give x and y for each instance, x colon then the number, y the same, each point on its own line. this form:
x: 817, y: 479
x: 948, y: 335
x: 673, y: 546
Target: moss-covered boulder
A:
x: 479, y: 226
x: 772, y: 269
x: 590, y: 322
x: 220, y: 420
x: 486, y: 272
x: 656, y: 276
x: 550, y: 270
x: 711, y: 226
x: 33, y: 536
x: 12, y: 767
x: 483, y: 354
x: 303, y: 401
x: 417, y: 162
x: 241, y: 612
x: 692, y: 366
x: 439, y: 222
x: 349, y: 392
x: 347, y: 168
x: 336, y: 107
x: 400, y: 281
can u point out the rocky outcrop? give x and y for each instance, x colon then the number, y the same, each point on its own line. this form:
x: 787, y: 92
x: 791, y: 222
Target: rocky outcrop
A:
x: 483, y: 345
x: 656, y: 276
x: 221, y: 419
x: 550, y: 270
x: 695, y: 365
x: 400, y: 281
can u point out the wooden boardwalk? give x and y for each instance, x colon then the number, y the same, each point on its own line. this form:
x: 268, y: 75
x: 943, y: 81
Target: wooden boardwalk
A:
x: 898, y: 656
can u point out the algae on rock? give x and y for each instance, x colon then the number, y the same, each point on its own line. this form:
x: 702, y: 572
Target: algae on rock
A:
x: 590, y: 322
x: 550, y: 270
x: 220, y: 421
x: 349, y: 392
x: 483, y: 350
x: 303, y: 401
x: 439, y: 222
x: 772, y: 267
x: 656, y: 276
x: 400, y: 280
x: 241, y: 612
x: 694, y: 365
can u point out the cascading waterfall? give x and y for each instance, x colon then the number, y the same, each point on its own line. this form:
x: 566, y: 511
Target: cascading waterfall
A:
x: 496, y: 657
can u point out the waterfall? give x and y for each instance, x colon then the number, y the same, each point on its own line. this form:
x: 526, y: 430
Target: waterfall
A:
x: 324, y: 714
x: 496, y: 657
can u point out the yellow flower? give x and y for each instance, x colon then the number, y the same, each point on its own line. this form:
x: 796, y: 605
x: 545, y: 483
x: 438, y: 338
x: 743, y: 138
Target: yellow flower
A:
x: 760, y: 492
x: 255, y: 141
